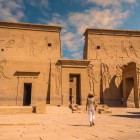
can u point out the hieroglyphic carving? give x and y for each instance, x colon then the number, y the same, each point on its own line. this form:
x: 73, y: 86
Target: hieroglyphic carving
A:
x: 118, y: 78
x: 106, y: 77
x: 21, y: 43
x: 91, y: 75
x: 124, y: 48
x: 2, y: 64
x: 104, y: 48
x: 57, y: 77
x: 98, y: 42
x: 11, y: 42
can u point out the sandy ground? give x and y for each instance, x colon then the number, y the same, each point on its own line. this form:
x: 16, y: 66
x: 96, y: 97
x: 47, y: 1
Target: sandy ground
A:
x: 60, y: 124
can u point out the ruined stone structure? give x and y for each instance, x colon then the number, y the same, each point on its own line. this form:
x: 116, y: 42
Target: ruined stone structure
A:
x: 32, y: 71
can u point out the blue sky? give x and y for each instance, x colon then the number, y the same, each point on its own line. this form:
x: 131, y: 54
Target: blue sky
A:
x: 74, y: 16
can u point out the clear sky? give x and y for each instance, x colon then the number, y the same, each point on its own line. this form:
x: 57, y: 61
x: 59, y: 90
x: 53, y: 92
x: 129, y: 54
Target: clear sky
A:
x: 74, y: 16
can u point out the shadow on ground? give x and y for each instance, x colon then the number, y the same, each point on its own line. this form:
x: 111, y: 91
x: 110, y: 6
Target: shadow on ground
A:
x: 134, y: 115
x: 77, y: 125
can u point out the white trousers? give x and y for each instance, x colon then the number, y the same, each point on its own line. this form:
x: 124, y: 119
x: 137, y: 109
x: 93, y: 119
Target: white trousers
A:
x: 91, y: 114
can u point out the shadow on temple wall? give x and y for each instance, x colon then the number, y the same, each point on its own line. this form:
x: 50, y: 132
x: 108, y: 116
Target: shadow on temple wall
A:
x: 111, y: 96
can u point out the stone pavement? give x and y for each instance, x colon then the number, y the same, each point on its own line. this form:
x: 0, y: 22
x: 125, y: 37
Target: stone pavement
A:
x: 60, y: 124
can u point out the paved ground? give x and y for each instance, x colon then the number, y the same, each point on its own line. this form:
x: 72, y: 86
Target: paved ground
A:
x: 60, y: 124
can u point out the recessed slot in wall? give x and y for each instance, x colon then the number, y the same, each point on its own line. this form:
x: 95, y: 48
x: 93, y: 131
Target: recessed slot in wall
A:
x: 98, y: 47
x: 49, y: 44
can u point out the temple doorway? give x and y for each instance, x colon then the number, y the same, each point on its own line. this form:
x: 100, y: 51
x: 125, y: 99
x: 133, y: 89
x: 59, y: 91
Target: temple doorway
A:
x: 130, y: 92
x: 74, y: 89
x: 27, y: 94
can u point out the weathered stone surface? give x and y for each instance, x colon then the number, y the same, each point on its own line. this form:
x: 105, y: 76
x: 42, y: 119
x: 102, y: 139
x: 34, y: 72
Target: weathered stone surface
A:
x: 32, y: 70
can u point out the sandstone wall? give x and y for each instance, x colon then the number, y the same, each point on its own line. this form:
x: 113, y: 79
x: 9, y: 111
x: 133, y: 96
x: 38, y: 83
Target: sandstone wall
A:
x: 108, y: 51
x: 26, y: 55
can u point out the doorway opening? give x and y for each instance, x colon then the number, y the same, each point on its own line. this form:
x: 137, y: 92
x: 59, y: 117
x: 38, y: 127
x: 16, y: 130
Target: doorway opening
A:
x: 130, y: 92
x: 74, y: 89
x: 27, y: 94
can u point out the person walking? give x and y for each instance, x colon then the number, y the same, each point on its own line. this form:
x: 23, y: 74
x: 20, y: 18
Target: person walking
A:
x: 91, y: 105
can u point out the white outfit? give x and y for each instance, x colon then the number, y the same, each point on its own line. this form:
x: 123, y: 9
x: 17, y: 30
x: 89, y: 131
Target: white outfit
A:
x: 91, y: 114
x: 91, y: 110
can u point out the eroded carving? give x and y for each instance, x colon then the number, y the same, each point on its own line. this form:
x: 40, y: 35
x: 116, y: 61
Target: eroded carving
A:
x: 118, y: 78
x: 106, y: 76
x: 57, y: 77
x: 124, y: 48
x: 91, y: 75
x: 2, y: 65
x: 11, y: 42
x: 132, y: 49
x: 21, y: 43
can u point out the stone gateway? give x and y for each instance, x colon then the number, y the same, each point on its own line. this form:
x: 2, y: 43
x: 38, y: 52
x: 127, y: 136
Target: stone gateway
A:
x: 32, y: 70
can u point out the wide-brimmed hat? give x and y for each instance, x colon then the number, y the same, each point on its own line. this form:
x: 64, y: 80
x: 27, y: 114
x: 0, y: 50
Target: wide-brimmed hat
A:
x: 90, y: 93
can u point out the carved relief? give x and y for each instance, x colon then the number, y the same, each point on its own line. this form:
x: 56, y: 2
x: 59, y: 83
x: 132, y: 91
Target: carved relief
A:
x: 57, y: 77
x: 2, y: 65
x: 118, y: 78
x: 124, y: 48
x: 106, y: 77
x: 132, y: 49
x: 98, y: 42
x: 104, y: 48
x: 11, y: 42
x: 91, y: 75
x: 21, y: 42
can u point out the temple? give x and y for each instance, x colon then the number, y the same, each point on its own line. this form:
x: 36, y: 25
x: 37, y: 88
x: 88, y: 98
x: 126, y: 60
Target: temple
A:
x: 32, y: 70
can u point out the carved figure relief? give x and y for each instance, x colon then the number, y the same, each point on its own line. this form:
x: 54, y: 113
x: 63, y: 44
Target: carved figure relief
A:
x: 124, y: 48
x: 57, y: 77
x: 22, y: 42
x: 91, y: 75
x: 10, y: 43
x: 118, y: 78
x: 132, y: 49
x: 2, y: 64
x: 106, y: 77
x: 102, y: 49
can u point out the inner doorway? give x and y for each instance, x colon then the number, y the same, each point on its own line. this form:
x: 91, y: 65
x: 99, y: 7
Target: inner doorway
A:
x: 27, y: 94
x: 130, y: 92
x: 74, y: 89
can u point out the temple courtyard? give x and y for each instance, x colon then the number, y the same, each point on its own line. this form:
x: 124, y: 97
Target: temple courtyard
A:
x: 59, y: 123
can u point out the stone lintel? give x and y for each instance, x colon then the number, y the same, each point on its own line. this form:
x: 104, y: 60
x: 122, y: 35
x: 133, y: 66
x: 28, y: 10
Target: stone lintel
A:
x: 73, y: 63
x: 23, y: 73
